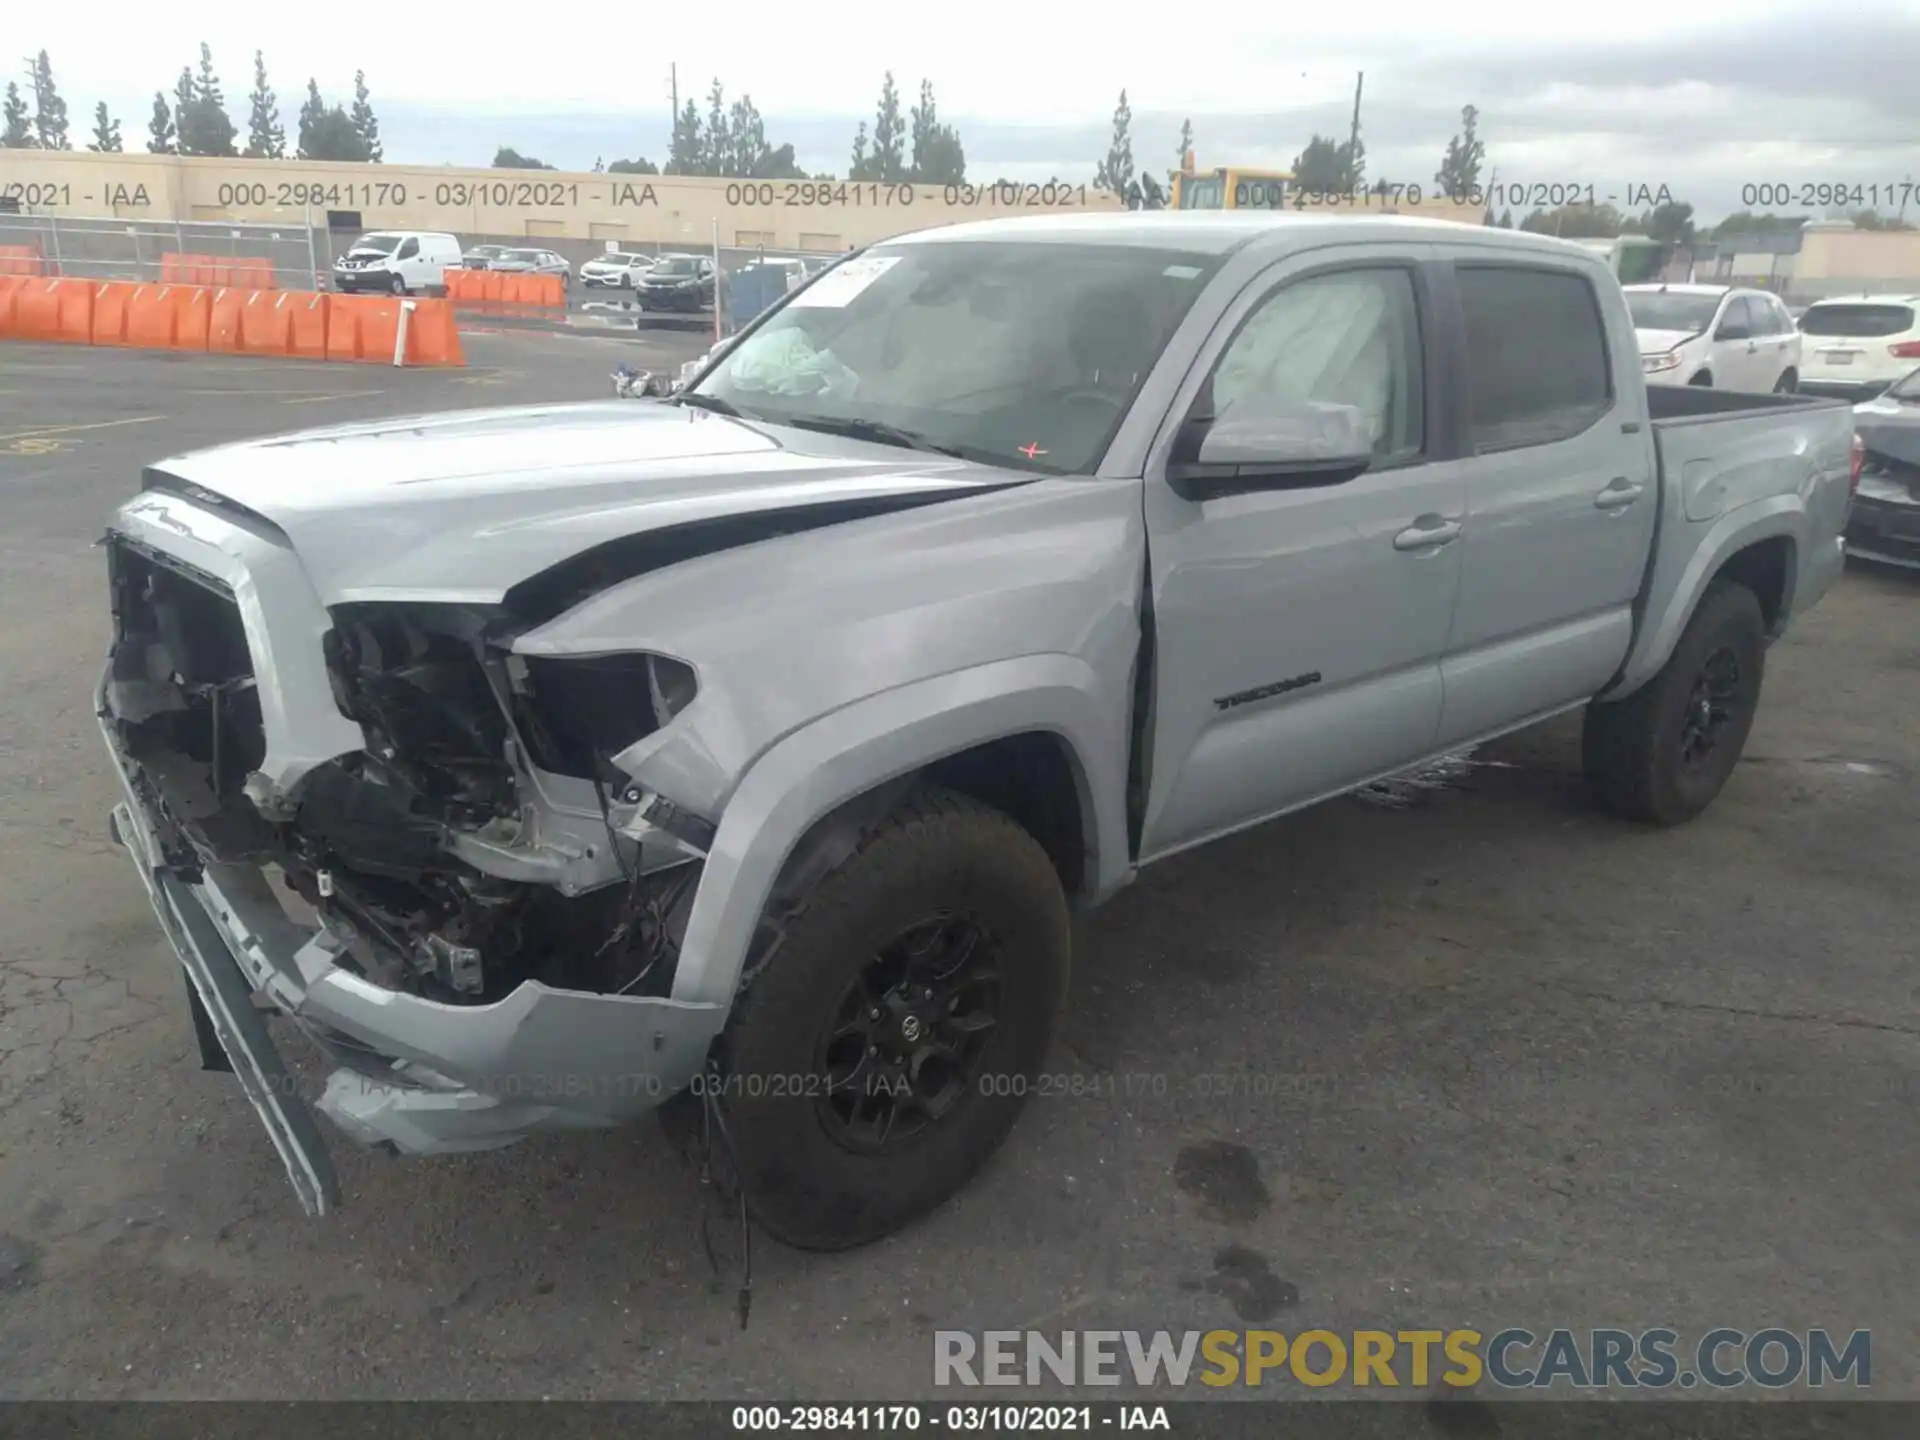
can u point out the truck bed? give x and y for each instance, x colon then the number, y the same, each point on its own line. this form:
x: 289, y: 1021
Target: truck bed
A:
x: 1769, y: 469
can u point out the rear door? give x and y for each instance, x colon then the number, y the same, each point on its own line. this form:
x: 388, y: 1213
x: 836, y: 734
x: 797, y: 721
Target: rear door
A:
x: 1561, y: 492
x: 1299, y: 631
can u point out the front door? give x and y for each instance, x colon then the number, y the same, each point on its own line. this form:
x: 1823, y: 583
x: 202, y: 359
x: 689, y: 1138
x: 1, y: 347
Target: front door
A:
x: 1299, y: 631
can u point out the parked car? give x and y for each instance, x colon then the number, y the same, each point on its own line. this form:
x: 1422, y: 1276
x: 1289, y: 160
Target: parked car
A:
x: 1884, y: 523
x: 479, y: 257
x: 757, y: 741
x: 678, y: 282
x: 534, y: 262
x: 1857, y: 345
x: 616, y: 270
x: 1715, y: 335
x: 400, y: 262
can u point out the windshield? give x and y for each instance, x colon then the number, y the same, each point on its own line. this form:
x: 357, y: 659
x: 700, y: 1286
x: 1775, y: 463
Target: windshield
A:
x: 1858, y: 322
x: 677, y: 265
x: 1015, y: 353
x: 1906, y: 388
x: 378, y: 244
x: 1668, y: 310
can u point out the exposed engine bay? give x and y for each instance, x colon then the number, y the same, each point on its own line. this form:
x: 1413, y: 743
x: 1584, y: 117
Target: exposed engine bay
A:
x: 482, y: 838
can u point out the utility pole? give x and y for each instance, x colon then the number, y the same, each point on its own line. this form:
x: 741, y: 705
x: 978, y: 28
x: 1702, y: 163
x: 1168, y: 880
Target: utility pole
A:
x: 1353, y: 136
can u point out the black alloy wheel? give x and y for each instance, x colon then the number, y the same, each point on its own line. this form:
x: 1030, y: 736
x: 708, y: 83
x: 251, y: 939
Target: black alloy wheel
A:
x: 904, y: 1044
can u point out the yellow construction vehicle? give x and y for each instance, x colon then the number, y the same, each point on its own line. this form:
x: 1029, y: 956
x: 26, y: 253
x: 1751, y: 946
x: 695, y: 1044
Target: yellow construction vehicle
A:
x: 1228, y: 187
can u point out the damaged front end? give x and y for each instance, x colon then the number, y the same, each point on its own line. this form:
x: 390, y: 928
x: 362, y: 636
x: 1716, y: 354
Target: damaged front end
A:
x: 473, y: 912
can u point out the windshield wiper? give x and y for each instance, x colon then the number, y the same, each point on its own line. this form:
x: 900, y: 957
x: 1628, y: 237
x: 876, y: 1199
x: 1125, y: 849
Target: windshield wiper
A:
x: 710, y: 402
x: 877, y: 431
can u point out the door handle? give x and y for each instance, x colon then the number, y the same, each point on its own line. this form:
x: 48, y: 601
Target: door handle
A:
x: 1620, y: 494
x: 1430, y: 534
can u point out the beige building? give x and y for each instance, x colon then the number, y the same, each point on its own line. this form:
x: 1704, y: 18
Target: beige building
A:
x: 549, y: 205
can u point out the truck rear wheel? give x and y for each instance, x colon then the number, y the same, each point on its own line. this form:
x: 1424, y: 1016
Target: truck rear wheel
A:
x: 884, y: 1051
x: 1662, y: 754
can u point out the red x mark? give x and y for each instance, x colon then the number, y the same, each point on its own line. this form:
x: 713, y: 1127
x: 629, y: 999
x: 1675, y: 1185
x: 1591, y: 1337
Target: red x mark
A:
x: 1030, y: 451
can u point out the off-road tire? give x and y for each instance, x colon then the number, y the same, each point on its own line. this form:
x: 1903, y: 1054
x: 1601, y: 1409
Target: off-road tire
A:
x: 1632, y: 748
x: 936, y: 852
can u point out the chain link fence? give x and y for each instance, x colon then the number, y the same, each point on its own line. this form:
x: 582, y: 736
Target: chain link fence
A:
x: 140, y: 249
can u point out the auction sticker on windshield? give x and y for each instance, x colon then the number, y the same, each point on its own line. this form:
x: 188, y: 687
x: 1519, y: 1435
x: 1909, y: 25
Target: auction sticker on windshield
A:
x: 842, y: 284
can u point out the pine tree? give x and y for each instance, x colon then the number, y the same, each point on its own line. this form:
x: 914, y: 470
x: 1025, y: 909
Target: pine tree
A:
x: 213, y: 131
x: 683, y: 158
x: 49, y: 110
x: 889, y: 160
x: 162, y: 139
x: 857, y: 169
x: 185, y: 120
x: 266, y: 138
x: 1115, y: 173
x: 716, y: 155
x: 365, y: 125
x: 1459, y: 173
x: 938, y: 157
x: 18, y: 134
x: 106, y: 132
x: 312, y: 111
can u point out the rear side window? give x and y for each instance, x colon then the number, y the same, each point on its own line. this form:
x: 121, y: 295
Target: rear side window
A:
x: 1536, y: 355
x: 1857, y: 322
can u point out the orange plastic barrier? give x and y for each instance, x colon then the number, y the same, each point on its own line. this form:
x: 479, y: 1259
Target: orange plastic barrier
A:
x: 228, y: 320
x: 252, y: 272
x: 59, y: 310
x: 21, y: 260
x: 9, y: 286
x: 168, y: 317
x: 504, y: 287
x: 365, y: 327
x: 223, y: 320
x: 110, y: 299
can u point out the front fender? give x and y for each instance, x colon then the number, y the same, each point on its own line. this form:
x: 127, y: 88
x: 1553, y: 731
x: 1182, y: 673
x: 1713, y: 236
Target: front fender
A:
x: 830, y: 761
x: 1677, y: 583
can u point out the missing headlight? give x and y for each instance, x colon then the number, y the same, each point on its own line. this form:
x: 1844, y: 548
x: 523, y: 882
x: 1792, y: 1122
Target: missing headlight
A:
x: 577, y: 712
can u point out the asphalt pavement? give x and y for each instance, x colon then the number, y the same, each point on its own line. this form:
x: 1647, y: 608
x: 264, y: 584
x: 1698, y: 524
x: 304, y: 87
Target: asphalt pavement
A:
x: 1458, y: 1052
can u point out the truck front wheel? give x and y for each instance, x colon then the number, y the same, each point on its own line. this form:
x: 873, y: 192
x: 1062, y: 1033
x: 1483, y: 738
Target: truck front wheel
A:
x: 886, y: 1047
x: 1662, y: 754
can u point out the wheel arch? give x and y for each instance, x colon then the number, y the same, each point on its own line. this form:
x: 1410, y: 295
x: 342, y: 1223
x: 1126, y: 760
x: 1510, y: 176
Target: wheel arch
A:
x: 1031, y: 736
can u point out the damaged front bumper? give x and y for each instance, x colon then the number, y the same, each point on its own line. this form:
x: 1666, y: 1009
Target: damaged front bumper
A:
x: 418, y: 1075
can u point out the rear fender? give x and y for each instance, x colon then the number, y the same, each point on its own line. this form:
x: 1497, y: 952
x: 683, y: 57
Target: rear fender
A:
x: 851, y: 751
x: 1699, y: 552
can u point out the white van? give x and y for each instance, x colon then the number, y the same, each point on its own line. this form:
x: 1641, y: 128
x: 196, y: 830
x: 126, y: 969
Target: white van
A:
x: 400, y: 262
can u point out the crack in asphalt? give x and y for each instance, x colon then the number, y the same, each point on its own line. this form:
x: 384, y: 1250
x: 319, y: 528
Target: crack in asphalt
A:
x: 1741, y: 1011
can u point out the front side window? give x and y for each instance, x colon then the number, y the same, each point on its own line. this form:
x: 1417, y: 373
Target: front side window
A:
x: 1738, y: 319
x: 1019, y: 353
x: 408, y: 249
x: 1537, y: 368
x: 1350, y: 338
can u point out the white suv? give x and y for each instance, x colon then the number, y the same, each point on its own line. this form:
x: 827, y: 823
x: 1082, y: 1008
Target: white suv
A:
x: 1715, y: 335
x: 1858, y: 345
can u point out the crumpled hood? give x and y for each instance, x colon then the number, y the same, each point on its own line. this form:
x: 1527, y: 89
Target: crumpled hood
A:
x: 1659, y: 342
x: 461, y: 506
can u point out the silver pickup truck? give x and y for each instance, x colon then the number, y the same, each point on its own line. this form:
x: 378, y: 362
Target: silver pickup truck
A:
x: 547, y: 766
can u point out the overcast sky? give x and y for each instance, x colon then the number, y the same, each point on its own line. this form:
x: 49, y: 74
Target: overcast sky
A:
x: 1702, y: 97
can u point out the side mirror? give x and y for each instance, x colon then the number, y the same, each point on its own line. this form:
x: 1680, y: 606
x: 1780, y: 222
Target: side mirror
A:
x: 1732, y: 332
x: 1265, y: 442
